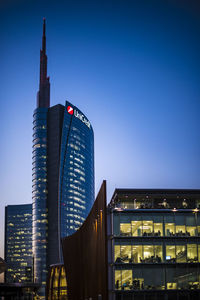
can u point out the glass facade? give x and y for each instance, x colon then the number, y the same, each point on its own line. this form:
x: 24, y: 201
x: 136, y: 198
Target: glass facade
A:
x: 149, y: 224
x: 76, y: 189
x: 62, y: 174
x: 57, y: 284
x: 63, y: 181
x: 39, y: 194
x: 18, y: 243
x: 154, y: 249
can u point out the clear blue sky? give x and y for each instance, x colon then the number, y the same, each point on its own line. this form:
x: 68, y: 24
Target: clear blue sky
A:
x: 132, y: 67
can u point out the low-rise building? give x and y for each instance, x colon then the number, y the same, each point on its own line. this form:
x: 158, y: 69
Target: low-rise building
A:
x: 154, y: 244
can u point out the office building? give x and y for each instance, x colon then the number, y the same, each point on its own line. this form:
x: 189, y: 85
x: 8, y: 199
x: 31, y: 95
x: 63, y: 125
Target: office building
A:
x: 63, y: 173
x: 154, y: 244
x: 152, y: 239
x: 18, y: 243
x: 2, y: 266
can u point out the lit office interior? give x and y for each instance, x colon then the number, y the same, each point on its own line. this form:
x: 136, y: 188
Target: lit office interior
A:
x: 57, y: 284
x: 165, y: 244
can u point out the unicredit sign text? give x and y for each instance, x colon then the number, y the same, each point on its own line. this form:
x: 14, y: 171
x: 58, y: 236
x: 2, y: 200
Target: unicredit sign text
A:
x: 82, y: 118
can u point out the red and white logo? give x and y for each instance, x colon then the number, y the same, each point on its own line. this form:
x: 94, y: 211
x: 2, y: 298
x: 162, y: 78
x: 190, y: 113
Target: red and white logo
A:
x: 70, y: 110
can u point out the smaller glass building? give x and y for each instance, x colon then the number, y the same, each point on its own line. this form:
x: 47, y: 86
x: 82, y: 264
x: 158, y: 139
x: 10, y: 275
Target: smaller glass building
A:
x: 154, y: 244
x: 18, y: 243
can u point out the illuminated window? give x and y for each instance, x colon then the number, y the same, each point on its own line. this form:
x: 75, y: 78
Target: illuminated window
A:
x: 147, y: 227
x: 118, y: 281
x: 180, y: 229
x: 127, y: 279
x: 180, y: 253
x: 170, y: 253
x: 125, y: 229
x: 137, y: 255
x: 63, y: 282
x: 125, y: 253
x: 117, y: 253
x: 148, y: 253
x: 169, y: 229
x: 158, y: 227
x: 158, y: 256
x: 56, y: 278
x: 136, y: 228
x: 192, y: 253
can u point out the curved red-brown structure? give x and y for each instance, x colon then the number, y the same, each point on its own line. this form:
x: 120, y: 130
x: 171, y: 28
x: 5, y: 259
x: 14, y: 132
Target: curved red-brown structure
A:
x: 85, y: 255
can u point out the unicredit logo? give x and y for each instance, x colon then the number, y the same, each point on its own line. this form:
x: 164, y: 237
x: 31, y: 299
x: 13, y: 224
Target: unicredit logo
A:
x: 82, y: 118
x: 70, y: 110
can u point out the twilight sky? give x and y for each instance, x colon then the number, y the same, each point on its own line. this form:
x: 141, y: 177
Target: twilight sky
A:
x: 132, y: 67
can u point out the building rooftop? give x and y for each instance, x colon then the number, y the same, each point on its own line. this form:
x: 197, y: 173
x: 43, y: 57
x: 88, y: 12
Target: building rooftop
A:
x: 156, y: 199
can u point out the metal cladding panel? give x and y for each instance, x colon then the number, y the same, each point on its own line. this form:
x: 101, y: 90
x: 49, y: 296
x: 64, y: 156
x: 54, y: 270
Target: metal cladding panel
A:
x: 85, y: 254
x: 55, y: 122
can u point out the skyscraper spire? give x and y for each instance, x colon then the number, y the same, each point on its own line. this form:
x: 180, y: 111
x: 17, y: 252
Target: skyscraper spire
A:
x: 43, y: 96
x: 44, y: 36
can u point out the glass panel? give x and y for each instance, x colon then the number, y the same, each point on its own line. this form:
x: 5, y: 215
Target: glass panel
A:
x: 180, y: 253
x: 158, y: 225
x: 136, y: 228
x: 180, y: 230
x: 125, y: 253
x: 116, y: 224
x: 171, y: 283
x: 56, y: 277
x: 147, y: 227
x: 193, y: 278
x: 63, y: 282
x: 148, y: 254
x: 154, y: 278
x: 170, y: 253
x: 182, y: 277
x: 180, y: 225
x: 125, y: 229
x: 158, y: 253
x: 158, y: 229
x: 199, y: 252
x: 138, y: 279
x: 191, y: 229
x: 192, y: 253
x: 198, y: 229
x: 118, y: 282
x: 198, y: 219
x: 169, y: 229
x: 127, y: 279
x: 117, y: 253
x: 137, y: 256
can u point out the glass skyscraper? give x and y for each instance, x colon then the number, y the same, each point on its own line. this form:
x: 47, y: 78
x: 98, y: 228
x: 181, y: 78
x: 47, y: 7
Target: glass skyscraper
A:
x: 18, y: 243
x: 76, y: 190
x: 63, y: 173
